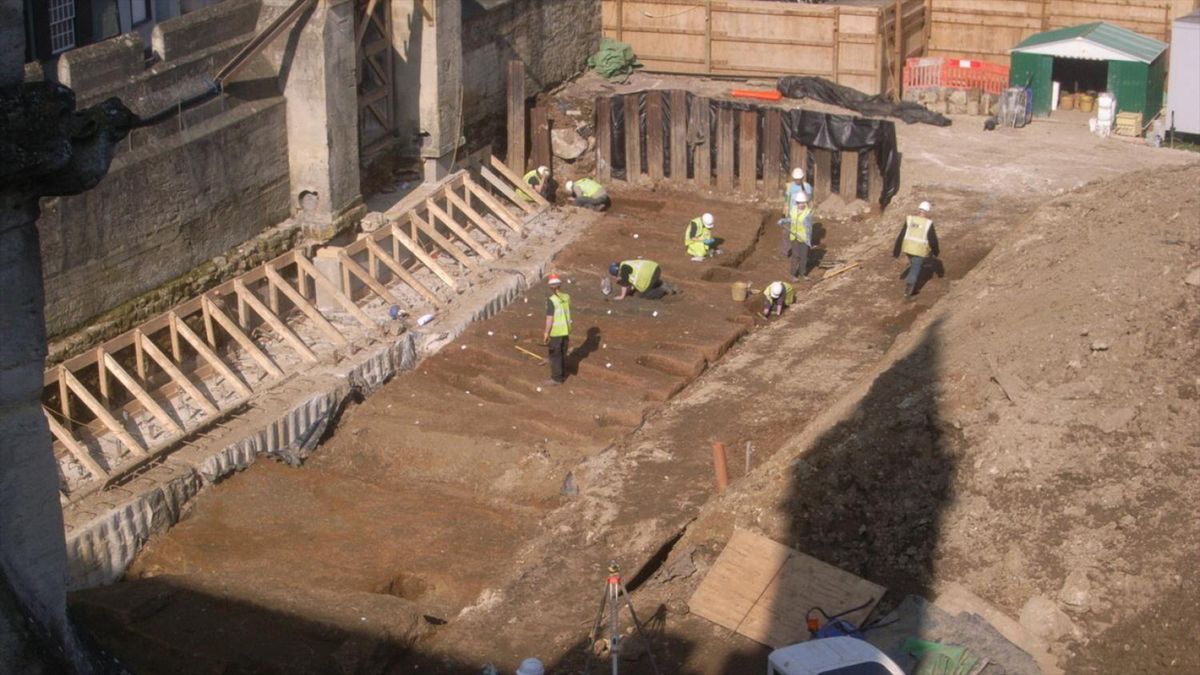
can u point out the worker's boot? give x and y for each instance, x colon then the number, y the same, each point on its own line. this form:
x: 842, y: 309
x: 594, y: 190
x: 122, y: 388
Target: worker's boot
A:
x: 910, y: 290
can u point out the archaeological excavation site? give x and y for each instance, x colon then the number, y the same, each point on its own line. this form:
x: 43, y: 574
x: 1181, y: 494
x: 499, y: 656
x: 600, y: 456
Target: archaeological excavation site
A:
x: 599, y: 336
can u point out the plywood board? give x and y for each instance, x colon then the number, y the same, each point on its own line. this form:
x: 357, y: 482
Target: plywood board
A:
x: 748, y: 151
x: 654, y: 135
x: 603, y: 139
x: 762, y: 589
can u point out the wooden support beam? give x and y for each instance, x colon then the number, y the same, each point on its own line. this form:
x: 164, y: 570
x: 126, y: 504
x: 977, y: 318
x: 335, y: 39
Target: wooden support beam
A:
x: 402, y: 240
x: 101, y: 376
x: 176, y: 352
x: 437, y: 215
x: 175, y: 373
x: 654, y: 135
x: 509, y: 192
x: 207, y: 354
x: 679, y: 149
x: 516, y: 116
x: 102, y: 414
x: 798, y: 158
x: 140, y: 393
x: 772, y: 142
x: 822, y: 174
x: 874, y: 180
x: 540, y: 128
x: 277, y: 324
x: 235, y: 331
x: 139, y: 359
x: 748, y: 152
x: 724, y: 150
x: 77, y: 449
x: 333, y: 291
x: 603, y: 128
x: 446, y: 245
x: 476, y: 219
x: 353, y: 268
x: 702, y: 152
x: 516, y: 180
x: 494, y: 204
x: 633, y: 139
x: 848, y: 176
x: 210, y: 331
x: 64, y: 397
x: 404, y: 274
x: 280, y: 285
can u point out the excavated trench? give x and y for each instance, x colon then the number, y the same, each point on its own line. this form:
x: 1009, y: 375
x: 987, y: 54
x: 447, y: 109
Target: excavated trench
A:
x: 425, y: 491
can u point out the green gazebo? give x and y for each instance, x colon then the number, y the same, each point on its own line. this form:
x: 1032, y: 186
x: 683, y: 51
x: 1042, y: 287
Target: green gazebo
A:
x: 1106, y: 57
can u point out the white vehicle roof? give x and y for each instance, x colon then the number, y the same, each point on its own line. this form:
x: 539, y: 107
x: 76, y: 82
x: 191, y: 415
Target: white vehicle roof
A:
x: 831, y: 656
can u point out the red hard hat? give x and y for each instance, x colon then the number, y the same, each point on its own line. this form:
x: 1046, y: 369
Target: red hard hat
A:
x: 553, y: 280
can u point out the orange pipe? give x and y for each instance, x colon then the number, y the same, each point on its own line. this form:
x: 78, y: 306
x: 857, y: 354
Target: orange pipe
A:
x: 760, y: 95
x: 718, y: 450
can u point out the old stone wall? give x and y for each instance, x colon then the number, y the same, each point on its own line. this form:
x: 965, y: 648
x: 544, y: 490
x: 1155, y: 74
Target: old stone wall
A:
x: 552, y: 37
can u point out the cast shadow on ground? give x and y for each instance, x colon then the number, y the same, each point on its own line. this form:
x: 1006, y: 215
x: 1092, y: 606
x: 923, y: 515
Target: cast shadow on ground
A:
x: 590, y: 344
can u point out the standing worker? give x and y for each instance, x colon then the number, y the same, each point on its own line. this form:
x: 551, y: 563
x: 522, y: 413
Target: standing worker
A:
x: 918, y: 240
x: 643, y: 277
x: 800, y: 234
x: 798, y: 184
x: 538, y: 181
x: 558, y: 329
x: 777, y: 295
x: 589, y: 194
x: 698, y: 239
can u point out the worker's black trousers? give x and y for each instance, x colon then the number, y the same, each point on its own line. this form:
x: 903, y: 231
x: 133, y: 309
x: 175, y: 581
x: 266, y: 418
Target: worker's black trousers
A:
x: 799, y: 259
x: 558, y: 358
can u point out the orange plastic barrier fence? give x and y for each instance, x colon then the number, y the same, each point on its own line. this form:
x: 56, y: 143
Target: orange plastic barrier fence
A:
x: 955, y: 74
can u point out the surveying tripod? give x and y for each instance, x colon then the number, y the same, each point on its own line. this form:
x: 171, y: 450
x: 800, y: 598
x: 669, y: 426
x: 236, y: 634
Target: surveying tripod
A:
x: 614, y: 594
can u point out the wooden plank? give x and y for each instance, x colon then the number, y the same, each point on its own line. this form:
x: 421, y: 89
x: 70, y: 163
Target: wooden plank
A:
x: 633, y: 138
x: 438, y: 215
x: 874, y: 181
x: 64, y: 395
x: 679, y: 120
x: 211, y: 357
x: 401, y: 239
x: 516, y: 179
x: 354, y: 269
x: 474, y: 217
x: 239, y: 336
x: 177, y: 376
x: 404, y: 274
x: 848, y: 176
x: 762, y: 590
x: 77, y: 449
x: 280, y: 285
x: 102, y: 413
x: 516, y: 116
x: 210, y: 331
x: 772, y: 153
x: 446, y: 245
x: 101, y: 376
x: 748, y: 152
x: 822, y: 178
x: 702, y: 152
x: 277, y: 324
x: 504, y: 189
x: 725, y: 149
x: 798, y: 157
x: 837, y: 45
x: 333, y: 291
x: 131, y: 385
x: 603, y: 126
x: 654, y: 135
x: 498, y: 209
x: 540, y: 128
x: 139, y: 359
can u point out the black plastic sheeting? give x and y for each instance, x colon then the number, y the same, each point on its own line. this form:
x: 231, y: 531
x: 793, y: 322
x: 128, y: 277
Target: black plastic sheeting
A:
x: 841, y: 134
x: 821, y: 89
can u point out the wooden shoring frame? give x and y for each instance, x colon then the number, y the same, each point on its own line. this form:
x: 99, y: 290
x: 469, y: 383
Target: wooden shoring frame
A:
x: 421, y: 255
x: 280, y: 285
x: 239, y: 336
x: 289, y: 336
x: 74, y: 447
x: 497, y: 182
x: 106, y: 418
x: 424, y: 227
x: 209, y: 355
x: 403, y: 274
x: 305, y: 266
x: 176, y: 374
x: 139, y: 392
x: 516, y: 179
x: 351, y: 267
x: 454, y: 201
x: 436, y: 214
x: 498, y: 209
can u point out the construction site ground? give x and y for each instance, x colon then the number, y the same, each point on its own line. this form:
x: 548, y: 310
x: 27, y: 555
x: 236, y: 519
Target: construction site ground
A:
x: 1026, y: 427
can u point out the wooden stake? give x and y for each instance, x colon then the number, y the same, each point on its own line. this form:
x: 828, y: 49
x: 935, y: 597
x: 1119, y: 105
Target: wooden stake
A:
x: 254, y: 351
x: 516, y: 116
x: 603, y: 128
x: 446, y: 245
x: 848, y: 187
x: 205, y: 352
x: 289, y: 336
x: 175, y: 373
x: 679, y: 149
x: 822, y: 179
x: 279, y: 284
x: 77, y: 449
x: 143, y: 397
x: 654, y: 135
x: 633, y: 139
x: 494, y: 204
x: 541, y: 138
x: 748, y: 152
x: 333, y: 291
x: 724, y: 149
x: 102, y: 414
x: 772, y: 150
x: 702, y: 153
x: 404, y: 274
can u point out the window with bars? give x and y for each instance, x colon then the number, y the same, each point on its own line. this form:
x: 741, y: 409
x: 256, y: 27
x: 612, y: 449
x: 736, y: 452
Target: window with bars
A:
x: 62, y: 25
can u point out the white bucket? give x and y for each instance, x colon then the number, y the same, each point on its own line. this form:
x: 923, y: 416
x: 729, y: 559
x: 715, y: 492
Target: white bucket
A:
x: 1056, y: 87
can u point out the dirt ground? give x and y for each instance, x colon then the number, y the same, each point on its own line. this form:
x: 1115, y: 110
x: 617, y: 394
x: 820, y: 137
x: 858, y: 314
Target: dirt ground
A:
x: 1026, y: 427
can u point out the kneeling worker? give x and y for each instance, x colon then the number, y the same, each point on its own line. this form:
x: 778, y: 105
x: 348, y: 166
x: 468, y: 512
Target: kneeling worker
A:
x: 588, y: 193
x: 643, y: 277
x: 698, y: 239
x: 778, y: 295
x: 537, y: 181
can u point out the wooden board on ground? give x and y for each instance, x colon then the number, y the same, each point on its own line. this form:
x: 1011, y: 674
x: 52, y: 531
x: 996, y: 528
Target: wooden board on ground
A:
x: 763, y: 589
x: 956, y: 600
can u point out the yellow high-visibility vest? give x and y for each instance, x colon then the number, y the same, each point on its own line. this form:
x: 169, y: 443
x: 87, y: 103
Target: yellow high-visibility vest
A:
x: 588, y: 188
x: 561, y: 324
x: 528, y: 180
x: 799, y: 226
x: 643, y: 273
x: 916, y: 236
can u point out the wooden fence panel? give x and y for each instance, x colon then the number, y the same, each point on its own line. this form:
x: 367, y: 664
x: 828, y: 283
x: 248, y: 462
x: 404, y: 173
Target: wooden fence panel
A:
x: 748, y: 152
x: 724, y: 149
x: 654, y: 135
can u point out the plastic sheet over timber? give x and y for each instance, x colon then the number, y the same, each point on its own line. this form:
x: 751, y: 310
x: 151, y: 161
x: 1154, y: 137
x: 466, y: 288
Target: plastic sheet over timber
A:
x: 821, y: 89
x: 819, y: 130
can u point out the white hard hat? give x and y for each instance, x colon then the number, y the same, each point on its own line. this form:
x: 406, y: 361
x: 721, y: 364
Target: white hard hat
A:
x: 775, y: 290
x: 707, y: 219
x: 570, y: 184
x: 531, y: 666
x: 801, y: 197
x: 797, y: 174
x: 925, y: 206
x: 543, y: 170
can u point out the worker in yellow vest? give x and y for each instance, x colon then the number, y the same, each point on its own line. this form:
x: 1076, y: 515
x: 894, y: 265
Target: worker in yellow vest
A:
x: 537, y: 181
x: 588, y: 193
x: 698, y: 239
x: 558, y: 329
x: 641, y: 277
x: 917, y: 240
x: 776, y: 296
x: 800, y: 234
